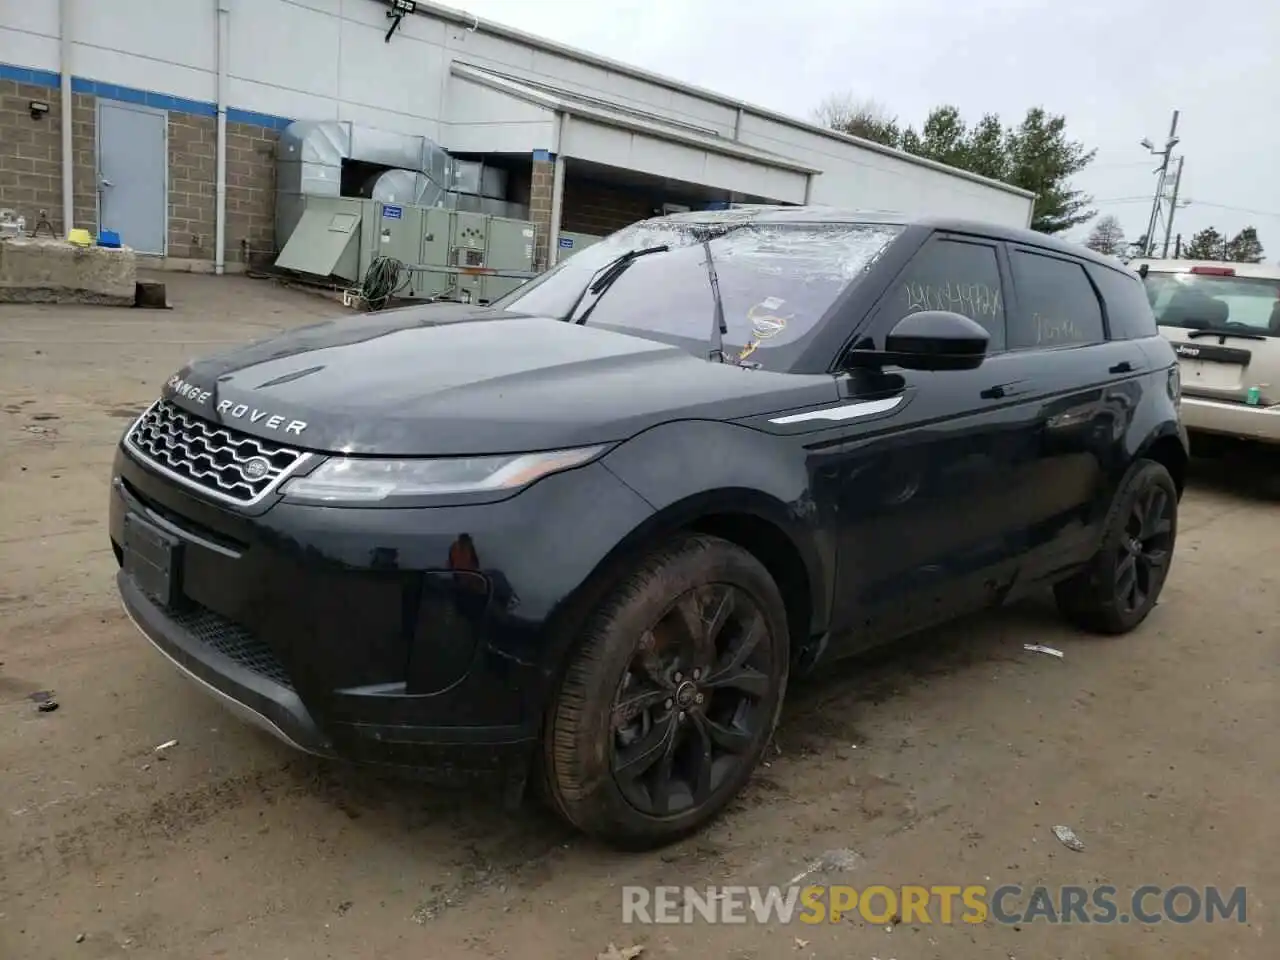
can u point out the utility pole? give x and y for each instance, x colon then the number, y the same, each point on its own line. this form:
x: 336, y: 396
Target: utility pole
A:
x: 1173, y: 208
x: 1177, y: 247
x: 1162, y: 174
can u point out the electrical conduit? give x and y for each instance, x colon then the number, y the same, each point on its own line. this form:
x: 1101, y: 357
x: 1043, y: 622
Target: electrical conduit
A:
x: 68, y: 158
x: 220, y: 190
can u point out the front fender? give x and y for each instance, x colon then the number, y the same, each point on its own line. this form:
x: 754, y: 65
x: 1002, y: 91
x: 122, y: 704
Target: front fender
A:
x: 691, y: 470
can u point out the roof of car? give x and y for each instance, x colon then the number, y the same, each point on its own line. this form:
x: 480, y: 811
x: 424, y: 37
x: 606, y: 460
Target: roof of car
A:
x: 1261, y: 271
x: 768, y: 213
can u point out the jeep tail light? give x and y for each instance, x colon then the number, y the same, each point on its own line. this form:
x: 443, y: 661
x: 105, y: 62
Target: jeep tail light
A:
x: 1215, y: 271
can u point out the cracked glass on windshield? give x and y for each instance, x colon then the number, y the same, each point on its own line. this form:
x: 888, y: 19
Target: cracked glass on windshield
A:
x: 777, y: 282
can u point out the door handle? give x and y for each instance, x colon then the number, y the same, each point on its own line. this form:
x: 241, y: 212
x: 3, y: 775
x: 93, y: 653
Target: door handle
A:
x: 1124, y: 366
x: 1002, y: 390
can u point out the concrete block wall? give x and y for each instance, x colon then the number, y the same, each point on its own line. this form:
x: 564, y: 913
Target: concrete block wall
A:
x: 542, y: 184
x: 31, y: 163
x: 31, y: 155
x: 193, y: 146
x: 600, y: 209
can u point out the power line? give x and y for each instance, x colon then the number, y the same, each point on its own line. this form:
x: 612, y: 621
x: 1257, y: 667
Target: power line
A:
x: 1190, y: 203
x: 1115, y: 166
x: 1224, y: 206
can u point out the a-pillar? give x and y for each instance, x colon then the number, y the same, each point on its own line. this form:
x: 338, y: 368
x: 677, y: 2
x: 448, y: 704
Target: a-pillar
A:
x: 541, y: 205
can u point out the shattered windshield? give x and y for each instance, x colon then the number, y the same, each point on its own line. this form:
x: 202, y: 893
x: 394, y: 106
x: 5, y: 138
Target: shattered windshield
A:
x: 777, y: 282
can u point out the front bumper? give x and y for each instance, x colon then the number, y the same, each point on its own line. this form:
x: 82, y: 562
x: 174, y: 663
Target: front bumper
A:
x: 1231, y: 419
x: 250, y: 694
x: 345, y: 632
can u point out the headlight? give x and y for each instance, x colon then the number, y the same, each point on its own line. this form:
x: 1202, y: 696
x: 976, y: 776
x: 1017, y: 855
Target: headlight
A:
x: 365, y: 480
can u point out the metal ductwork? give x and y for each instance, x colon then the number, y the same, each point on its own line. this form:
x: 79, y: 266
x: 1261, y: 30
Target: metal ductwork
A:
x: 336, y: 158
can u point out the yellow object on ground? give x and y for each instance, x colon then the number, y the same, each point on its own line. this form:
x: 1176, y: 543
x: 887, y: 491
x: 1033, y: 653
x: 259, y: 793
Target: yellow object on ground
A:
x: 80, y: 237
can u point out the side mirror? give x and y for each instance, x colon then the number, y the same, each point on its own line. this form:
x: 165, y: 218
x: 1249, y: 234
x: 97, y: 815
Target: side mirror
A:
x: 930, y: 340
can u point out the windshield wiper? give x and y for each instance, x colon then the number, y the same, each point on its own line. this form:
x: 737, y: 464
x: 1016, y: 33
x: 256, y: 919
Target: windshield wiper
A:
x: 718, y: 326
x: 1221, y: 332
x: 605, y: 277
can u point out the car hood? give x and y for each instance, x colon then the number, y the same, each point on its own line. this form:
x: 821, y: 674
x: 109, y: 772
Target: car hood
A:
x: 449, y: 379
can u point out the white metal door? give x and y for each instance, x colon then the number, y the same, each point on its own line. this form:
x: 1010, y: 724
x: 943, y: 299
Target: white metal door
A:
x: 133, y: 174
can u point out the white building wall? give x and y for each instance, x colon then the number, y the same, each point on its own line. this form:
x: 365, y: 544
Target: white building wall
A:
x: 482, y: 120
x: 630, y: 151
x: 326, y: 59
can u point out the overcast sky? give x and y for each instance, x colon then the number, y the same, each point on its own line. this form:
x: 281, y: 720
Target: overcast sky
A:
x: 1115, y: 68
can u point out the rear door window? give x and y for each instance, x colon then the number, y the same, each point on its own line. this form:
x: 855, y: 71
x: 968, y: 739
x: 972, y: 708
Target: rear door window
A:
x: 1209, y: 302
x: 1057, y: 305
x: 1129, y: 315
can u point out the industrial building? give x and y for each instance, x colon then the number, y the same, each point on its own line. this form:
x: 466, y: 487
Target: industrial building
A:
x: 203, y: 130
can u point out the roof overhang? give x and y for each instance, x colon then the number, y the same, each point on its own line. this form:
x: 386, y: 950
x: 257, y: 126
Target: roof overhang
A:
x: 429, y: 8
x: 606, y: 121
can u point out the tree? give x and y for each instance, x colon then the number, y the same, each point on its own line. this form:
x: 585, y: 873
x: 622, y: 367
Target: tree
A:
x: 1035, y: 155
x: 1043, y: 160
x: 1207, y: 244
x: 1245, y: 247
x: 859, y: 118
x: 1107, y: 237
x: 1138, y: 248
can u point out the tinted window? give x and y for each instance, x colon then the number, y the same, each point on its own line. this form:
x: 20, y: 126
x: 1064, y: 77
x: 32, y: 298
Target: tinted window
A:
x: 1057, y: 305
x: 1128, y: 312
x: 952, y: 275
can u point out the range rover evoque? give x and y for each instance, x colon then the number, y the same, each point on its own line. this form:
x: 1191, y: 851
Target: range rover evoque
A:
x: 582, y: 537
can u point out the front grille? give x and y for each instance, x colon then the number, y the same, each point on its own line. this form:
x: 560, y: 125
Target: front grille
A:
x: 232, y: 641
x: 223, y: 463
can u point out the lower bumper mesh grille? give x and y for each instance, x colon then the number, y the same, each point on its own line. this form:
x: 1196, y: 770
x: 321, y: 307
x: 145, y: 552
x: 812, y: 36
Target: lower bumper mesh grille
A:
x: 234, y: 642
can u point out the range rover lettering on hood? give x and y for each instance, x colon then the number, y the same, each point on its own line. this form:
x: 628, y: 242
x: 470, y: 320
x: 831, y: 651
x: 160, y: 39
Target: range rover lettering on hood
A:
x: 236, y: 411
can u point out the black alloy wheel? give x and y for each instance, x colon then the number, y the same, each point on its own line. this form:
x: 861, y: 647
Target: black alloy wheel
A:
x: 1145, y: 549
x: 670, y: 695
x: 692, y: 702
x: 1116, y: 590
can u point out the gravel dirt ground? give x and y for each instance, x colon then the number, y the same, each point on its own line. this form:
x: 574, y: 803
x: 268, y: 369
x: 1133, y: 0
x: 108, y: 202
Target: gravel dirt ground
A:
x: 946, y: 760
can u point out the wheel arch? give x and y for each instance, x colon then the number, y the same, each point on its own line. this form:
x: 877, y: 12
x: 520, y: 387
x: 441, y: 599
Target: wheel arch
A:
x: 755, y: 521
x: 1166, y: 447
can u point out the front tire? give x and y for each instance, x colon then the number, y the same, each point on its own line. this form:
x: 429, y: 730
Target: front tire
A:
x: 1118, y: 588
x: 670, y: 699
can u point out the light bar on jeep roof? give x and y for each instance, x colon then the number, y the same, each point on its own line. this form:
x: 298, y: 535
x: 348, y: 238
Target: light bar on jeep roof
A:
x: 1215, y: 271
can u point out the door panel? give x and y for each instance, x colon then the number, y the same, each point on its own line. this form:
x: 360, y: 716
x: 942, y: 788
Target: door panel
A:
x: 1079, y: 413
x: 132, y: 174
x: 935, y: 508
x: 1089, y: 390
x: 923, y: 498
x: 983, y: 480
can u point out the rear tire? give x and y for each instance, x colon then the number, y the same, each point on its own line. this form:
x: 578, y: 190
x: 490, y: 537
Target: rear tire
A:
x: 671, y: 697
x: 1118, y: 588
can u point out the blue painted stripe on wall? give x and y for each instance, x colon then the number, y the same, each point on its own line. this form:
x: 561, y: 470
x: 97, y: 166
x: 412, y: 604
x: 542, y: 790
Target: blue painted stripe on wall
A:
x: 236, y: 115
x: 543, y: 155
x: 40, y: 78
x: 149, y: 98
